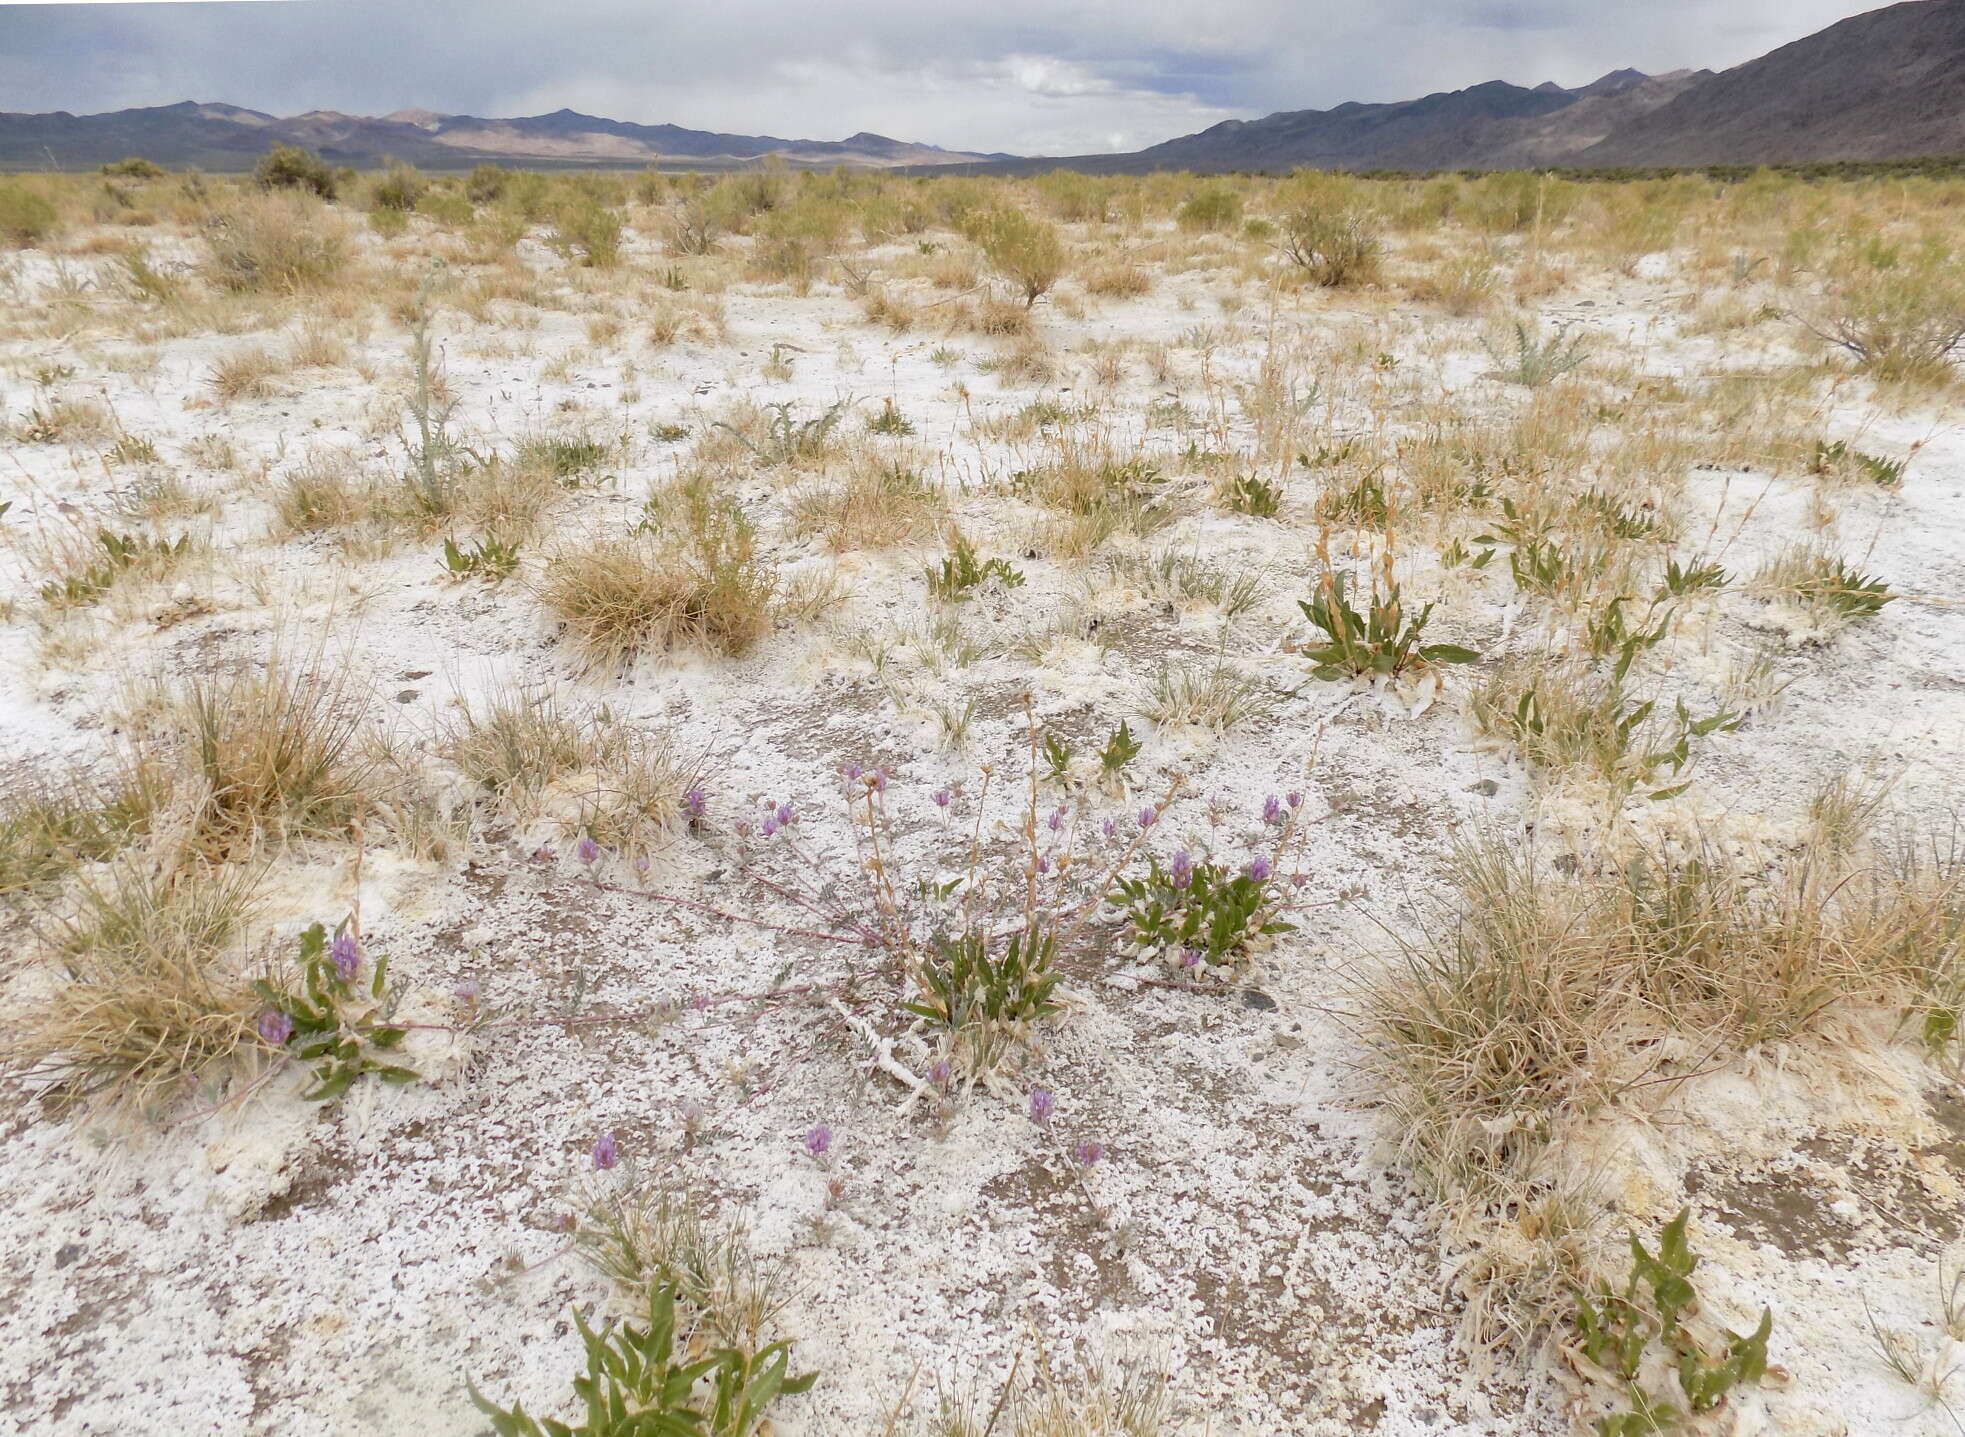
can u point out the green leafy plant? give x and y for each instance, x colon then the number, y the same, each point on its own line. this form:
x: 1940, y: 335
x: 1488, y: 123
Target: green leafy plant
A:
x: 636, y: 1385
x: 489, y: 558
x: 1538, y: 358
x: 1202, y: 908
x: 987, y: 1003
x: 332, y: 1021
x: 959, y: 573
x: 1681, y: 580
x: 787, y: 439
x: 1621, y: 1332
x: 1121, y: 748
x: 1382, y: 641
x: 1253, y: 495
x: 889, y: 420
x: 1833, y: 455
x: 121, y: 552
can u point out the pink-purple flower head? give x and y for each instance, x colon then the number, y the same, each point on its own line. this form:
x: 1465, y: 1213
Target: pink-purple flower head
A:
x: 1042, y: 1100
x: 1057, y: 818
x: 939, y: 1072
x: 275, y: 1027
x: 1088, y: 1153
x: 607, y: 1152
x: 347, y: 956
x: 1294, y: 800
x: 876, y: 780
x: 1272, y: 809
x: 818, y: 1140
x: 1180, y: 869
x: 695, y: 803
x: 786, y: 814
x: 1148, y: 816
x: 1190, y: 957
x: 588, y: 851
x: 770, y: 826
x: 851, y: 771
x: 1258, y: 869
x: 943, y: 797
x: 1110, y: 826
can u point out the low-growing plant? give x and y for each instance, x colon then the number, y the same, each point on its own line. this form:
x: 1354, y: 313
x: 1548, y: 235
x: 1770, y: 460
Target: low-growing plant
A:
x: 1824, y: 582
x: 1215, y: 696
x: 1203, y: 912
x: 961, y: 573
x: 325, y: 1017
x: 488, y: 558
x: 985, y: 1006
x: 638, y: 1385
x: 889, y: 420
x: 1253, y: 495
x: 87, y: 576
x: 1627, y: 1333
x: 787, y: 440
x: 1538, y: 358
x: 1381, y: 642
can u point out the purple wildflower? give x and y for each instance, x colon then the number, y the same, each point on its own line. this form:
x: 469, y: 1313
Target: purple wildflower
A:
x: 468, y: 990
x: 939, y: 1072
x: 695, y: 803
x: 1148, y: 816
x: 942, y: 797
x: 877, y: 781
x: 1181, y: 869
x: 1042, y: 1100
x: 851, y: 771
x: 1088, y: 1152
x: 786, y: 815
x: 588, y: 851
x: 1294, y: 800
x: 1258, y: 869
x: 347, y: 956
x: 1190, y: 957
x: 275, y: 1027
x: 770, y: 826
x: 1272, y: 809
x: 1043, y: 864
x: 818, y: 1139
x: 1110, y: 827
x: 606, y: 1152
x: 641, y: 865
x: 1057, y: 818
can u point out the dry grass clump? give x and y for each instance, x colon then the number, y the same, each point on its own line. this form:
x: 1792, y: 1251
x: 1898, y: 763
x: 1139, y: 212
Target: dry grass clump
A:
x: 1568, y: 719
x: 63, y: 421
x: 278, y: 242
x: 1132, y: 1402
x: 883, y: 501
x: 255, y: 754
x: 586, y: 772
x: 325, y: 491
x: 141, y: 1005
x: 627, y: 595
x: 1091, y: 479
x: 47, y: 830
x: 247, y: 373
x: 1556, y: 992
x: 1118, y: 279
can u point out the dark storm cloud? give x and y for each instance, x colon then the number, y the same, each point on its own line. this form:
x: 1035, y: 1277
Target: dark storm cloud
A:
x: 1014, y: 75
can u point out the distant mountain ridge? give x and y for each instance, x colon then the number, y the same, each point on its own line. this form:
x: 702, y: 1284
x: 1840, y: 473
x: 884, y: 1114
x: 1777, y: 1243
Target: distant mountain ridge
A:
x: 228, y: 137
x: 1888, y: 84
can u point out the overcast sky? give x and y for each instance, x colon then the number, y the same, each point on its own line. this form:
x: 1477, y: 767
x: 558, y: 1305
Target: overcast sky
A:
x: 1027, y: 76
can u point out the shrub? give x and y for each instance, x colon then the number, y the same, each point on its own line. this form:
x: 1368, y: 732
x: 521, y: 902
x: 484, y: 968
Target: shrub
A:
x: 588, y: 233
x: 1899, y: 309
x: 1025, y: 251
x: 275, y: 242
x: 135, y: 167
x: 485, y: 184
x: 26, y: 216
x: 1214, y: 209
x: 1538, y: 358
x: 289, y: 167
x: 1379, y: 643
x: 1334, y: 247
x: 400, y: 189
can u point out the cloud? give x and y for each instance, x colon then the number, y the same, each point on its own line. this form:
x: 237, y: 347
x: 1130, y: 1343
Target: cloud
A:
x: 1015, y: 75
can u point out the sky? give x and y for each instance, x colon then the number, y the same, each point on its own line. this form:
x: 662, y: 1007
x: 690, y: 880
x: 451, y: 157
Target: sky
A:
x: 1022, y: 76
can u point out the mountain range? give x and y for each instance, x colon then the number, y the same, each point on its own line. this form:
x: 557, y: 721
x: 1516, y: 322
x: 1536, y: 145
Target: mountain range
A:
x: 227, y: 137
x: 1883, y: 85
x: 1887, y: 84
